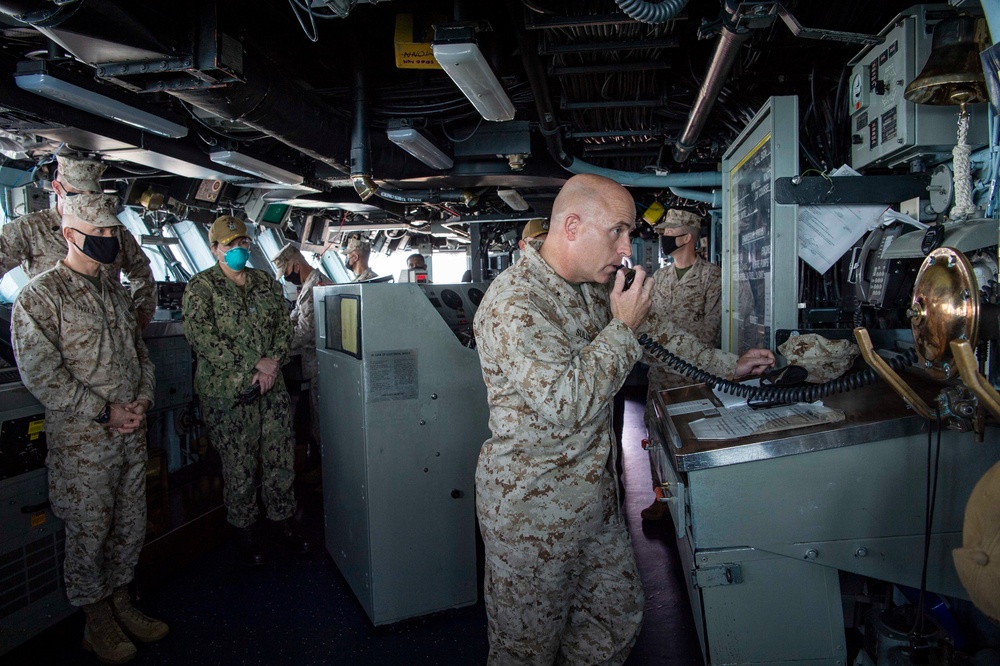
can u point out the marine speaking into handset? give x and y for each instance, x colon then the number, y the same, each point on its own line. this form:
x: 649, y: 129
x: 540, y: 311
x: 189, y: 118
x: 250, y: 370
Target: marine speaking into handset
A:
x: 629, y: 273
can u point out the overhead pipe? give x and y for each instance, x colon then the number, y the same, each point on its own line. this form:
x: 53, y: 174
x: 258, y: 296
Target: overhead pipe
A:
x: 361, y: 156
x: 635, y: 179
x: 713, y: 199
x: 548, y: 125
x: 731, y: 39
x: 652, y: 12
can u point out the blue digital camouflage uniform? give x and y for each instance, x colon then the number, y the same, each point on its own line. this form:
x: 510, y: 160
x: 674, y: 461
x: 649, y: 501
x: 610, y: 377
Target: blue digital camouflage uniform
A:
x: 35, y: 242
x: 561, y: 584
x: 230, y: 329
x: 78, y: 347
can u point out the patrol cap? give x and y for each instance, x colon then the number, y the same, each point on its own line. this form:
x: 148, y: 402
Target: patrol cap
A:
x: 680, y: 219
x: 535, y: 228
x: 359, y: 245
x: 285, y: 254
x: 225, y: 229
x: 80, y: 173
x: 96, y: 209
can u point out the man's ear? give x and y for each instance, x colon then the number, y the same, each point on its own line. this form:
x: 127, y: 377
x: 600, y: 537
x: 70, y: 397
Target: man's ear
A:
x: 66, y: 235
x: 571, y: 224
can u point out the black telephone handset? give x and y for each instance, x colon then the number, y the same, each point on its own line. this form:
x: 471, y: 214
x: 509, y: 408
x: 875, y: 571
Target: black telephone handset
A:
x: 629, y: 276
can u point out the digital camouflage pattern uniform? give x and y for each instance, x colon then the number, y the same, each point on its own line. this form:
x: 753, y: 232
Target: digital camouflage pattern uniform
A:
x: 230, y: 329
x: 35, y: 242
x: 369, y: 274
x: 694, y: 304
x: 304, y: 341
x: 561, y: 582
x: 78, y: 347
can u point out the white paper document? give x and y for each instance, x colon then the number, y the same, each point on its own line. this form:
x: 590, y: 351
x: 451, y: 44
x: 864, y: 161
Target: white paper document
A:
x: 827, y: 232
x: 703, y: 405
x: 743, y: 421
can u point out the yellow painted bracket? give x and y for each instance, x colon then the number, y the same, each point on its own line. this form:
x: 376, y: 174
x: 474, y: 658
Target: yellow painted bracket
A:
x: 968, y: 369
x: 886, y: 372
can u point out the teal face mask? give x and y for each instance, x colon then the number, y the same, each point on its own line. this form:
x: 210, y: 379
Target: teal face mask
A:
x: 237, y: 258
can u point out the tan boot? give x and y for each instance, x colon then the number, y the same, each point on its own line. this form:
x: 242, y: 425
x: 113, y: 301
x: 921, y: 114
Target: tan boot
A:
x: 103, y: 636
x: 136, y: 624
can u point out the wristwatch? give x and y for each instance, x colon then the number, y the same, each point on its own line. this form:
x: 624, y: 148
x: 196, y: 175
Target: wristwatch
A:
x: 105, y: 414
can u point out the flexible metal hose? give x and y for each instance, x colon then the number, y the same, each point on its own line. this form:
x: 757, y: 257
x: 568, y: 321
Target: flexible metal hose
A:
x: 652, y: 12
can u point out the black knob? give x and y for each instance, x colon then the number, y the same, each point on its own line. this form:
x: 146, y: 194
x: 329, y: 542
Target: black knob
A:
x: 456, y: 493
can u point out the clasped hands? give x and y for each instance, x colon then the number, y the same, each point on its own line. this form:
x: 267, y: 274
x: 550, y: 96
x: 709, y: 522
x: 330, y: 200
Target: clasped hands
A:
x: 127, y: 417
x: 265, y: 373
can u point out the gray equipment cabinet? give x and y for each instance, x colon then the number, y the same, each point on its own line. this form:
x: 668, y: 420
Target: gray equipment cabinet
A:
x: 764, y: 524
x: 32, y: 540
x: 403, y: 415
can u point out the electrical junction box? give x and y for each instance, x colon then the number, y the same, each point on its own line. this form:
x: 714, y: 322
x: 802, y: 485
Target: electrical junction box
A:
x: 886, y: 129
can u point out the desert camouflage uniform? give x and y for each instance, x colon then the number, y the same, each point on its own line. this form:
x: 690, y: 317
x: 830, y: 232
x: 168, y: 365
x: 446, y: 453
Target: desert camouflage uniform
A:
x: 369, y: 274
x: 304, y: 341
x: 230, y: 329
x: 694, y: 304
x: 561, y: 583
x: 35, y: 242
x: 78, y: 347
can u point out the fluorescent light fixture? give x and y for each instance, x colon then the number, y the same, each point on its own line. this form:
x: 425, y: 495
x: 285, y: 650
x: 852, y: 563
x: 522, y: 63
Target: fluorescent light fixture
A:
x: 465, y: 64
x: 98, y: 104
x: 252, y: 165
x: 420, y: 147
x: 512, y: 198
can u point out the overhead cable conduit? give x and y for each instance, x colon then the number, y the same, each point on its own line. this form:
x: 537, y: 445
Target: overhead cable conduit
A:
x: 652, y: 12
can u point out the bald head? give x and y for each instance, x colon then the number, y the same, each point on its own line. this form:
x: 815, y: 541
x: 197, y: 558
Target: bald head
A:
x: 589, y: 229
x: 587, y: 194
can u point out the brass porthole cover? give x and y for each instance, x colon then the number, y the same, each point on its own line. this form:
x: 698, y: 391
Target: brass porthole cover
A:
x: 945, y: 307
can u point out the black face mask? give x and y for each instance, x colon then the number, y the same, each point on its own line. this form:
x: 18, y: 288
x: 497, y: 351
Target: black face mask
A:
x: 294, y: 278
x: 668, y: 244
x: 102, y: 249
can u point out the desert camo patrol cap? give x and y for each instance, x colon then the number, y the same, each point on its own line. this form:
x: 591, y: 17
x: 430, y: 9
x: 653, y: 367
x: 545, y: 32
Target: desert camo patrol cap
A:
x: 96, y: 209
x: 680, y: 219
x: 226, y: 229
x: 358, y: 245
x: 284, y: 255
x: 80, y: 173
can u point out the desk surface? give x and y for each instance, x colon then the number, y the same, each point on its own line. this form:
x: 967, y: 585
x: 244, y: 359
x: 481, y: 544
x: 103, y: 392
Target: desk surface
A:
x: 872, y: 413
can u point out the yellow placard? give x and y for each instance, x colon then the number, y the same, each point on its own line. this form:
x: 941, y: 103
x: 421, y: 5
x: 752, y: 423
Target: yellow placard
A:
x: 37, y: 518
x: 36, y: 427
x: 411, y: 53
x: 349, y: 325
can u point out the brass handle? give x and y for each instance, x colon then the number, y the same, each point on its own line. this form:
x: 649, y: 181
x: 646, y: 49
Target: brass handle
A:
x: 968, y: 370
x: 889, y: 375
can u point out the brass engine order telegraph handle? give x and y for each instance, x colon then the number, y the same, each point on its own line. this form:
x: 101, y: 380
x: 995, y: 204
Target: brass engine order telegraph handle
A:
x: 889, y: 375
x: 968, y: 369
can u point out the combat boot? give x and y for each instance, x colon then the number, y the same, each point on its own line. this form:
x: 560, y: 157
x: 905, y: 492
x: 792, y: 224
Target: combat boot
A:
x: 249, y: 553
x: 103, y: 636
x: 288, y: 534
x: 136, y: 624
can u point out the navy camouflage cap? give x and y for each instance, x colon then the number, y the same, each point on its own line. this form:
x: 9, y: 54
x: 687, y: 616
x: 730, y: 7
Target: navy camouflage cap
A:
x: 96, y: 209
